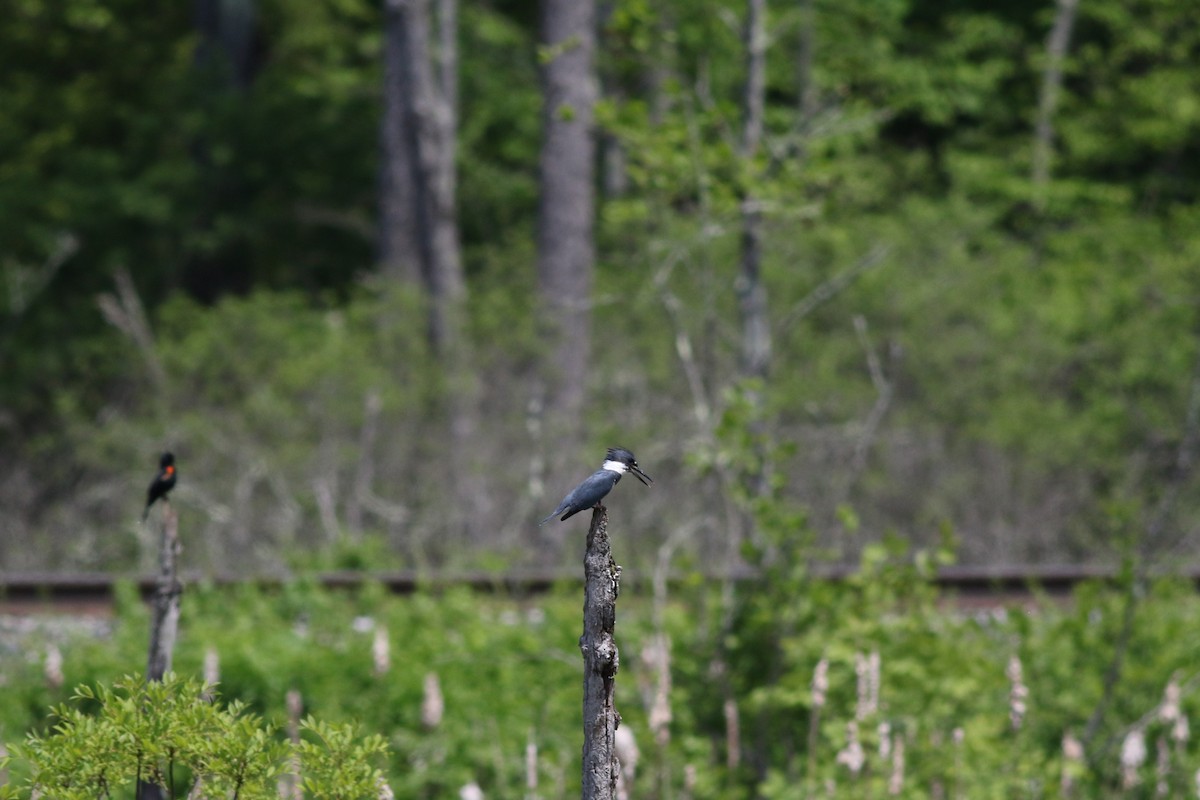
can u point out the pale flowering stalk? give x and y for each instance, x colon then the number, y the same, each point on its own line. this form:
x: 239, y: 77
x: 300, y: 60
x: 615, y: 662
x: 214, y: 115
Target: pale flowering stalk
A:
x: 884, y: 732
x: 820, y: 688
x: 958, y: 736
x: 1133, y: 756
x: 531, y: 767
x: 1171, y: 712
x: 212, y: 672
x: 860, y: 685
x: 1181, y: 731
x: 866, y: 670
x: 53, y: 668
x: 657, y: 658
x: 1018, y: 695
x: 874, y: 680
x: 290, y: 783
x: 628, y: 755
x: 1168, y: 710
x: 1162, y: 768
x: 852, y: 756
x: 820, y: 683
x: 433, y: 705
x: 212, y: 666
x: 1072, y: 750
x: 733, y: 735
x: 381, y: 656
x: 295, y: 707
x: 896, y: 779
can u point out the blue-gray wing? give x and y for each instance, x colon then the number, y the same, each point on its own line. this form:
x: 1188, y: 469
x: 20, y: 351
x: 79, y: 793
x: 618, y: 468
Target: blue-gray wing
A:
x: 585, y: 495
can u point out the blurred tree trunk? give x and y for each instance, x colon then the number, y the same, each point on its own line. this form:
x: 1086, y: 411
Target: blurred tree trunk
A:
x: 806, y: 54
x: 614, y: 179
x: 228, y: 56
x: 228, y: 31
x: 1043, y: 138
x: 566, y: 210
x: 418, y: 215
x: 752, y: 295
x: 399, y: 255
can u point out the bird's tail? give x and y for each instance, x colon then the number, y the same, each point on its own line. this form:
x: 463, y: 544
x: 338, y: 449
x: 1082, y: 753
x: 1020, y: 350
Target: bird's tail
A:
x: 547, y: 519
x: 146, y: 512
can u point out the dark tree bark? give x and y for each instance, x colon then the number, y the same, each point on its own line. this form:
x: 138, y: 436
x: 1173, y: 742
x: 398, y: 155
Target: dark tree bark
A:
x: 566, y: 209
x: 602, y: 583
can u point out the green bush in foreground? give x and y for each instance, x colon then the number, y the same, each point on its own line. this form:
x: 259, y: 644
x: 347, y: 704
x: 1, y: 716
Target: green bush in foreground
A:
x: 175, y: 735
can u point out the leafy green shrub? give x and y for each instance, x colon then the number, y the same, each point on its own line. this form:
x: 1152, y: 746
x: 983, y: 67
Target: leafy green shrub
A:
x: 173, y: 734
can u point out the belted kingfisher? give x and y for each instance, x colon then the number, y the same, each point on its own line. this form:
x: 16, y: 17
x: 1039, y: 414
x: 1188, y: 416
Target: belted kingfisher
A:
x: 588, y: 494
x: 163, y: 482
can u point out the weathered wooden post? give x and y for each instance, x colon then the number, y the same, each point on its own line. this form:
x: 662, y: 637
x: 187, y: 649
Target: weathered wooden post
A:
x: 602, y: 582
x: 164, y: 622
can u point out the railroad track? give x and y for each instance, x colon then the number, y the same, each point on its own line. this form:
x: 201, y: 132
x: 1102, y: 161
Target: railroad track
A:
x: 94, y: 592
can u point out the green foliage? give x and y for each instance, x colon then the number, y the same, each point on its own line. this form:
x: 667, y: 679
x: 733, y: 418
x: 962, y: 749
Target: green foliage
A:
x: 172, y: 734
x: 336, y: 764
x: 1034, y: 360
x: 908, y: 668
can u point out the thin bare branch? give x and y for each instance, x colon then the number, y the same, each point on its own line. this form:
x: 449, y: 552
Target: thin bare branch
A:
x: 125, y: 312
x: 883, y: 389
x: 1043, y: 140
x: 835, y: 285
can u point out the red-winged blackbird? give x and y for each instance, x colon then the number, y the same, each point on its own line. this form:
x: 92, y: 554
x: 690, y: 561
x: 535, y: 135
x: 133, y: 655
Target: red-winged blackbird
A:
x: 163, y: 482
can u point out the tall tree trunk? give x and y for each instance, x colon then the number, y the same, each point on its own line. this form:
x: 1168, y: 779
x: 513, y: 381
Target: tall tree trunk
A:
x: 752, y: 296
x: 228, y: 56
x: 428, y: 133
x: 447, y: 62
x: 806, y: 56
x: 566, y: 210
x: 228, y: 30
x: 611, y: 161
x: 422, y: 113
x: 399, y: 255
x: 1043, y: 138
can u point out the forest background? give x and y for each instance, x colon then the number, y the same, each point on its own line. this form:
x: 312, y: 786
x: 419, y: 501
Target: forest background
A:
x: 876, y: 282
x: 390, y: 279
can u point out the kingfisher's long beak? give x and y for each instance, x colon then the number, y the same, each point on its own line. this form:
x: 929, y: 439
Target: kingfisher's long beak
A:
x: 641, y: 476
